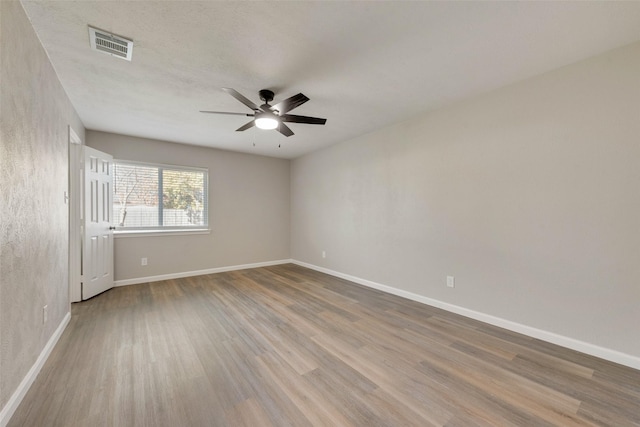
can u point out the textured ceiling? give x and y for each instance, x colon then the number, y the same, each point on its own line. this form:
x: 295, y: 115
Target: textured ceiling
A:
x: 363, y: 64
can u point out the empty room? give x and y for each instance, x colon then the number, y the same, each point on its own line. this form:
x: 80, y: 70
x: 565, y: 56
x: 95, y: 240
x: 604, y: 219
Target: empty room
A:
x: 319, y: 213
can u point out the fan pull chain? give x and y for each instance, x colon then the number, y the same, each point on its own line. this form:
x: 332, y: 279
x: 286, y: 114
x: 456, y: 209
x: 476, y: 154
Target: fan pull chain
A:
x: 279, y: 129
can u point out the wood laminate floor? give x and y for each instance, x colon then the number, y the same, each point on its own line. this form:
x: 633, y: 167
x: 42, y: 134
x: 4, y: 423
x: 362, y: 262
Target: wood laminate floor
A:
x: 288, y: 346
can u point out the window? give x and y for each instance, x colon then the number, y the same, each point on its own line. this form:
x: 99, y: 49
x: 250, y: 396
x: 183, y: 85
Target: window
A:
x: 150, y: 197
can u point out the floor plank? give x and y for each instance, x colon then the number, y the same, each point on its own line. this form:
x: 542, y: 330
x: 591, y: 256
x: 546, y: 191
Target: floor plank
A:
x: 289, y: 346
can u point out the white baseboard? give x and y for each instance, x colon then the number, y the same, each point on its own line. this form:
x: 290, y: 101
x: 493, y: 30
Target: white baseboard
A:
x: 574, y: 344
x: 21, y: 391
x: 137, y: 280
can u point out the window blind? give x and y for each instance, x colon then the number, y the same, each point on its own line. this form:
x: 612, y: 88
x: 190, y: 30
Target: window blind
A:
x: 159, y: 197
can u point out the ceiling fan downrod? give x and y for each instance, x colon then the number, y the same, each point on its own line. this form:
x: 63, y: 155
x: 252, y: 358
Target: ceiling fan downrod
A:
x: 266, y: 95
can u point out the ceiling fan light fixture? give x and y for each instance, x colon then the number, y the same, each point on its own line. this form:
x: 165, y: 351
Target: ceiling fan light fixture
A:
x: 266, y: 121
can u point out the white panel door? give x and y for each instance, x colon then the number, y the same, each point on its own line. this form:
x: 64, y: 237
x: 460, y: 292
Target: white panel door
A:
x: 97, y: 251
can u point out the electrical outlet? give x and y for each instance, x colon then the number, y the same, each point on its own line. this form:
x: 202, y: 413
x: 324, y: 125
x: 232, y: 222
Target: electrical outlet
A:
x: 324, y: 254
x: 143, y: 261
x: 45, y: 314
x: 451, y: 281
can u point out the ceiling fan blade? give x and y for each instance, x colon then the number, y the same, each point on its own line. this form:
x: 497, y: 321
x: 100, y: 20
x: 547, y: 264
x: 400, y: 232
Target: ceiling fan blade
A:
x: 292, y: 118
x: 284, y: 129
x: 249, y: 125
x: 225, y: 112
x: 290, y: 103
x: 237, y: 95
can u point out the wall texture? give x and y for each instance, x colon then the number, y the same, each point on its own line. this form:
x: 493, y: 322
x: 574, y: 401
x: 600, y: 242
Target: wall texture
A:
x: 248, y: 209
x: 35, y: 114
x: 527, y: 195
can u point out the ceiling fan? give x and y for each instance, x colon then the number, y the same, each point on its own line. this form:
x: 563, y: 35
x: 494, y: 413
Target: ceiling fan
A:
x: 271, y: 116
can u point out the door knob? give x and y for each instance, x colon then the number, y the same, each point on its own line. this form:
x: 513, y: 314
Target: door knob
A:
x: 112, y: 228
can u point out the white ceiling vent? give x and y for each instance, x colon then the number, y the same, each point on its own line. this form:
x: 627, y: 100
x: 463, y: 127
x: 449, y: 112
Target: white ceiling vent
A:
x: 110, y: 44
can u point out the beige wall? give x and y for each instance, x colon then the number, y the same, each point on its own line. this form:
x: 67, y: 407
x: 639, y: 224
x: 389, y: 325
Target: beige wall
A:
x: 248, y: 210
x: 528, y: 195
x: 35, y: 113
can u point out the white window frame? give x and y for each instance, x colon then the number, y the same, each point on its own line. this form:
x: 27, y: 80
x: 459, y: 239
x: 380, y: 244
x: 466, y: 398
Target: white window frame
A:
x: 164, y: 230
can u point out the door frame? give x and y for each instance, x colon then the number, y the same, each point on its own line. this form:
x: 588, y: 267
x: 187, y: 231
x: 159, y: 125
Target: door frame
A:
x: 75, y: 217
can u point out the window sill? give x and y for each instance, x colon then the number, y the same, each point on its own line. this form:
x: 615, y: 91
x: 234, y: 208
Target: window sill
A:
x: 158, y: 233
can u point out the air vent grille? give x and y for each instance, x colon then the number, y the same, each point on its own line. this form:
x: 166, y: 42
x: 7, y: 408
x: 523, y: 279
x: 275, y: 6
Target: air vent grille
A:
x: 110, y: 44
